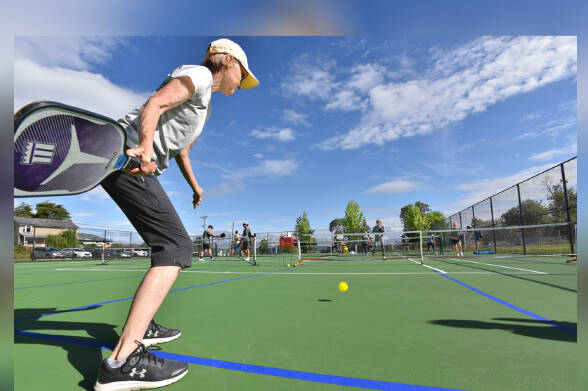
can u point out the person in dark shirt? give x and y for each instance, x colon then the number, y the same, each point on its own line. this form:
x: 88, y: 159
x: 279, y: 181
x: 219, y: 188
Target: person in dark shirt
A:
x: 378, y: 229
x: 456, y: 238
x: 247, y: 240
x: 207, y: 243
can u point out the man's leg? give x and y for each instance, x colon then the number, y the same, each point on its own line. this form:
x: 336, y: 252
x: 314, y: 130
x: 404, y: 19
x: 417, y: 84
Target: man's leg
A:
x: 149, y: 209
x: 149, y: 296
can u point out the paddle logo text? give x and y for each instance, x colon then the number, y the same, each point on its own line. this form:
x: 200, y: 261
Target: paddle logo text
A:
x: 38, y: 153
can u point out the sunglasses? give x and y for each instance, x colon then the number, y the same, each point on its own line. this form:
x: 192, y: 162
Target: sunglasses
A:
x: 243, y: 71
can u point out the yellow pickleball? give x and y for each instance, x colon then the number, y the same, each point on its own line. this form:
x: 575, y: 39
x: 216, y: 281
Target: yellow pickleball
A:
x: 343, y: 286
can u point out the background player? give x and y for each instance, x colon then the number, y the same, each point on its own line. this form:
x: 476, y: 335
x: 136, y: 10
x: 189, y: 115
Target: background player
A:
x: 247, y: 240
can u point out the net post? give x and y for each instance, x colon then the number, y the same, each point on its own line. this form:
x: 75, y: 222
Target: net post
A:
x: 254, y: 250
x: 299, y: 255
x: 332, y: 240
x: 421, y: 245
x: 103, y: 245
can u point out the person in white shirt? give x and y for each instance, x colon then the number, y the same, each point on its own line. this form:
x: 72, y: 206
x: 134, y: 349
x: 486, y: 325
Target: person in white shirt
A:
x: 164, y: 128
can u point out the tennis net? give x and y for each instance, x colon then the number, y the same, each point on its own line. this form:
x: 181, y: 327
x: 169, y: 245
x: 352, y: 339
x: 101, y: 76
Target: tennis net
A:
x: 544, y: 239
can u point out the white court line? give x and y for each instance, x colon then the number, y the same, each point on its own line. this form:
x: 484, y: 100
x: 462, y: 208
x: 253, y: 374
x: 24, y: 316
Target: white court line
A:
x: 422, y: 264
x: 311, y: 273
x: 506, y: 267
x: 100, y: 270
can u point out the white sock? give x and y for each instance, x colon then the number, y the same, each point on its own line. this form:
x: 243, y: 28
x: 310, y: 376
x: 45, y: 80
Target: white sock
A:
x: 115, y: 363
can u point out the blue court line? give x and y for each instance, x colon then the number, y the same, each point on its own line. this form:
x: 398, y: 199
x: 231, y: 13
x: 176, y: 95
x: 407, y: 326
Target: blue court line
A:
x: 256, y: 369
x: 130, y: 298
x: 514, y: 307
x: 72, y: 283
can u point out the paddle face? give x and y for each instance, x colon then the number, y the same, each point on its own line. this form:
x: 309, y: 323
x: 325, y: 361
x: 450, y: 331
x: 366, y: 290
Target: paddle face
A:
x: 63, y: 150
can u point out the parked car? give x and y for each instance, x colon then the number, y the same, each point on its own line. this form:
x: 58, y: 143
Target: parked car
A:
x: 120, y: 253
x: 46, y: 253
x: 76, y: 253
x: 138, y: 252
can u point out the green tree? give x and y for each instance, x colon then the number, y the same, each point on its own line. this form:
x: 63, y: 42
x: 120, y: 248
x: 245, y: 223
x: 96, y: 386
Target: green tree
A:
x: 430, y: 219
x: 353, y: 220
x: 263, y: 247
x: 364, y: 226
x: 479, y: 223
x: 50, y: 210
x: 414, y: 220
x: 424, y: 208
x: 435, y: 219
x: 23, y: 210
x: 117, y: 245
x: 533, y: 213
x: 66, y: 239
x: 557, y: 203
x: 305, y: 233
x: 336, y: 225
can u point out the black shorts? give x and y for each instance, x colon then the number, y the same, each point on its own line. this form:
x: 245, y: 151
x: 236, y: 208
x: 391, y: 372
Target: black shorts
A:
x: 206, y: 246
x: 245, y: 245
x: 148, y: 208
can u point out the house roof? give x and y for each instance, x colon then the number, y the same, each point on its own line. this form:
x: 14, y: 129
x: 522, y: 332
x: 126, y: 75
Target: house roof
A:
x: 84, y: 237
x: 44, y: 223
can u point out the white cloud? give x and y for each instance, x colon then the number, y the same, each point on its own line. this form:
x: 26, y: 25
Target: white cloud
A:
x: 272, y: 168
x: 60, y: 69
x: 89, y: 214
x: 393, y: 187
x: 266, y: 168
x: 478, y: 190
x: 90, y: 91
x: 310, y: 77
x: 295, y: 117
x: 79, y: 53
x: 285, y: 134
x: 366, y: 76
x: 568, y: 150
x: 258, y: 155
x: 224, y: 188
x: 346, y: 101
x: 464, y: 81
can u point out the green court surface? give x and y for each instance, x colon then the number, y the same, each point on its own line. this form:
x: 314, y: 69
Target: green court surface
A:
x: 472, y: 323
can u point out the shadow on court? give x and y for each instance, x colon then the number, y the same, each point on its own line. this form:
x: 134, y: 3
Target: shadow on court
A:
x: 527, y: 327
x: 517, y: 276
x: 84, y: 353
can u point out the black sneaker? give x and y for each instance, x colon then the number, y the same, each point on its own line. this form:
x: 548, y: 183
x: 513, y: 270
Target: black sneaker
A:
x: 141, y: 371
x: 156, y: 334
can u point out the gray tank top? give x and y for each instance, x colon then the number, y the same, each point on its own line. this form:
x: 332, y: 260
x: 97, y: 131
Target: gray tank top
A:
x: 179, y: 126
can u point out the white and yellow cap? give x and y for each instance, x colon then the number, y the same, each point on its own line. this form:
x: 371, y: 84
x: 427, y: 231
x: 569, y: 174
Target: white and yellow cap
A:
x: 227, y: 46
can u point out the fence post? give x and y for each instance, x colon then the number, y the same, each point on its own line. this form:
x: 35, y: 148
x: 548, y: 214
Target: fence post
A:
x: 493, y: 231
x: 565, y: 190
x: 474, y: 226
x: 521, y: 214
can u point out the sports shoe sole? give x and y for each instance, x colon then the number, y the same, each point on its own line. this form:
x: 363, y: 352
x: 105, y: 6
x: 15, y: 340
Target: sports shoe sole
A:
x: 154, y: 341
x: 136, y: 385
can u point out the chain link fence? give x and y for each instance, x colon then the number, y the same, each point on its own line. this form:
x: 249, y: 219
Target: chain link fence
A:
x: 546, y: 198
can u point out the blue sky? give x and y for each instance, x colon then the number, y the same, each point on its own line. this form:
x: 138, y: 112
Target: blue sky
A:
x: 384, y: 121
